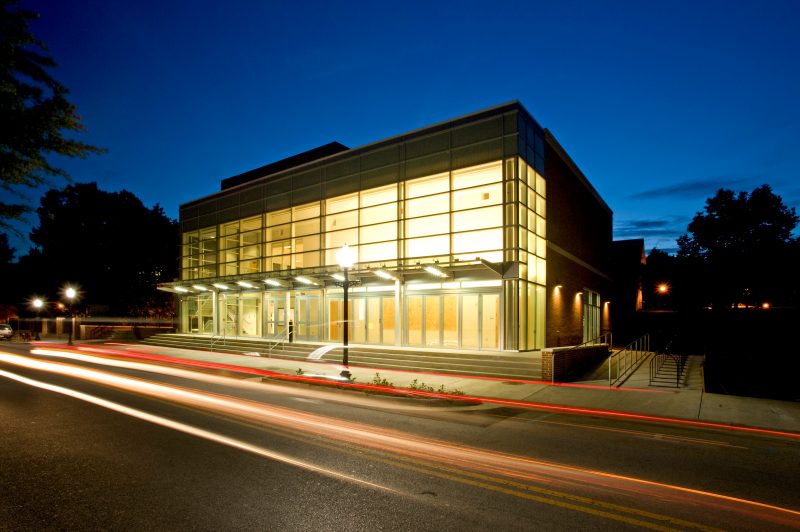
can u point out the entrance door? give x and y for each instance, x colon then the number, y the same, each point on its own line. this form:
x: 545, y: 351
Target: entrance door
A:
x: 275, y: 315
x: 468, y: 321
x: 372, y: 320
x: 306, y: 326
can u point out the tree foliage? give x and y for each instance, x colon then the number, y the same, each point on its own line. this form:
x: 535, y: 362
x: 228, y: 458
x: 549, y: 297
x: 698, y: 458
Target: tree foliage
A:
x: 742, y: 247
x: 109, y: 244
x: 34, y: 112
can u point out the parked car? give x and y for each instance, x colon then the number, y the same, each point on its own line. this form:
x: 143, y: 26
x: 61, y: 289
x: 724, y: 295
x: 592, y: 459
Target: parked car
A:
x: 6, y: 332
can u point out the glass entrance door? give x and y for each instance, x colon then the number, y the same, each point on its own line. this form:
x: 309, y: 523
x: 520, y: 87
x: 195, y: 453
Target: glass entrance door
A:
x: 372, y: 320
x: 466, y: 321
x: 306, y: 326
x: 275, y: 314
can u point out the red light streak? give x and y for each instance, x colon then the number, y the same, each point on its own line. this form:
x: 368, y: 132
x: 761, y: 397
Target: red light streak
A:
x: 436, y: 395
x: 391, y: 441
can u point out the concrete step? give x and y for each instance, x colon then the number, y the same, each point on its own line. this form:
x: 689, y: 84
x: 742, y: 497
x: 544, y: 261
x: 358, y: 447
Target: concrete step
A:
x: 491, y: 364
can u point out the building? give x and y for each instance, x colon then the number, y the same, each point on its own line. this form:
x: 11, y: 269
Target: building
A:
x: 477, y: 233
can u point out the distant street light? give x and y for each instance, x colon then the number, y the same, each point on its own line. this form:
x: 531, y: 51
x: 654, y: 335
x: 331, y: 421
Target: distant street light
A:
x: 70, y: 293
x: 345, y: 258
x: 38, y: 304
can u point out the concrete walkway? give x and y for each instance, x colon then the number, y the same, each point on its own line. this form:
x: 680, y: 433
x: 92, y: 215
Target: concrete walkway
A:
x: 635, y: 396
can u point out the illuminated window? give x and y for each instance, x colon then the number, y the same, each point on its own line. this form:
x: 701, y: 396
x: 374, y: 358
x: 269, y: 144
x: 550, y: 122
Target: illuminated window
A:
x: 428, y: 205
x: 279, y: 232
x: 429, y: 225
x: 341, y: 204
x: 490, y: 239
x: 336, y: 239
x: 478, y: 197
x: 303, y: 212
x: 425, y: 186
x: 477, y: 175
x: 382, y: 252
x: 306, y: 227
x: 378, y: 233
x: 428, y: 246
x: 278, y: 218
x: 342, y: 220
x: 478, y: 218
x: 379, y: 214
x: 378, y: 196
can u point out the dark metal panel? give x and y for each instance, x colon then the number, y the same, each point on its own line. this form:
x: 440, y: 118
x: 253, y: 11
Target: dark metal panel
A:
x: 344, y: 185
x: 380, y: 177
x: 279, y: 201
x: 472, y: 133
x: 378, y: 158
x: 306, y: 194
x: 427, y: 145
x: 433, y: 164
x: 491, y: 150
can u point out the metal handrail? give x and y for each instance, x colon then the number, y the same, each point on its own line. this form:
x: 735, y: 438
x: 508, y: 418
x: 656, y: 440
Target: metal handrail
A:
x: 628, y: 359
x: 281, y: 338
x: 658, y: 363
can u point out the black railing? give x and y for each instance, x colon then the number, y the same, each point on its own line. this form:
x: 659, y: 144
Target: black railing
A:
x: 667, y: 368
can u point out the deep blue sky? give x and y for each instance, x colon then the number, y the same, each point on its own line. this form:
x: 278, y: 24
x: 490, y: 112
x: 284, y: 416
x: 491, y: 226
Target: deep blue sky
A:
x: 660, y: 104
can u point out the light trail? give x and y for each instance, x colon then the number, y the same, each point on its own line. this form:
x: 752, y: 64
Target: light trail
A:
x: 189, y: 429
x: 451, y: 397
x: 430, y: 450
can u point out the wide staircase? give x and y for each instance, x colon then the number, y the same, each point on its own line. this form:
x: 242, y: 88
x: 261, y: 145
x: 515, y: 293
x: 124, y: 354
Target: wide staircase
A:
x: 488, y: 364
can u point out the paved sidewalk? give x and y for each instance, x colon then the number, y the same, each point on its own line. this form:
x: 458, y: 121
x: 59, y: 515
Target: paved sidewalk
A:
x: 689, y: 402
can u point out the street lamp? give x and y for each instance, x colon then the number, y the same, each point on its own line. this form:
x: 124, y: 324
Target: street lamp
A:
x: 37, y: 305
x: 70, y: 293
x: 345, y: 258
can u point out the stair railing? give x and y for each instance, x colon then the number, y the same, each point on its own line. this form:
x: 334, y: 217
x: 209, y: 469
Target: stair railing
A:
x: 626, y: 360
x: 281, y: 337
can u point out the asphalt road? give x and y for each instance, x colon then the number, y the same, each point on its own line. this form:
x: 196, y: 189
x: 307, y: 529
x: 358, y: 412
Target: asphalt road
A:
x: 86, y: 446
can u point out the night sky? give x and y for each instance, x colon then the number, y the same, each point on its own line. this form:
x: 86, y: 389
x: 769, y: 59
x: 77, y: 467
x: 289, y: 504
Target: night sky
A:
x: 659, y: 103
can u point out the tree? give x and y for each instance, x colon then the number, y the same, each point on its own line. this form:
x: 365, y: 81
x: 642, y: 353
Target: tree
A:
x: 742, y: 247
x: 108, y: 243
x: 34, y: 111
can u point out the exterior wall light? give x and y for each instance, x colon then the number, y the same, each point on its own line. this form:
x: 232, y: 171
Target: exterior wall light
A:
x: 304, y: 280
x: 273, y: 282
x: 245, y: 284
x: 433, y: 270
x: 383, y: 274
x: 181, y: 289
x: 221, y: 286
x: 199, y: 287
x: 338, y: 276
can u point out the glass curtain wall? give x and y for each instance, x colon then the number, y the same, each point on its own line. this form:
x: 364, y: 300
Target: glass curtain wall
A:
x: 458, y: 215
x: 450, y: 216
x: 532, y: 248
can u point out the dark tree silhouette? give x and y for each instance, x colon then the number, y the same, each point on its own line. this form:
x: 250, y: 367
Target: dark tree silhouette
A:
x: 109, y: 243
x: 34, y: 112
x: 741, y: 247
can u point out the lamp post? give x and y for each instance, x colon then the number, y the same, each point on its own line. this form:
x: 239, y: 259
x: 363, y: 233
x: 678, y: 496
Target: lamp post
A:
x: 345, y: 258
x: 70, y: 294
x: 37, y: 305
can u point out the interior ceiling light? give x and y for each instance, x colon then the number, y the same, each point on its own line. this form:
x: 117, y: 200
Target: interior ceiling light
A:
x: 272, y: 282
x: 221, y: 286
x: 181, y: 289
x: 199, y: 287
x: 383, y: 274
x: 433, y: 270
x: 244, y: 284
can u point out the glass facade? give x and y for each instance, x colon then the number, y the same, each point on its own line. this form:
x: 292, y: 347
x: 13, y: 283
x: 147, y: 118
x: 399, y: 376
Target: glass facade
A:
x: 472, y: 201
